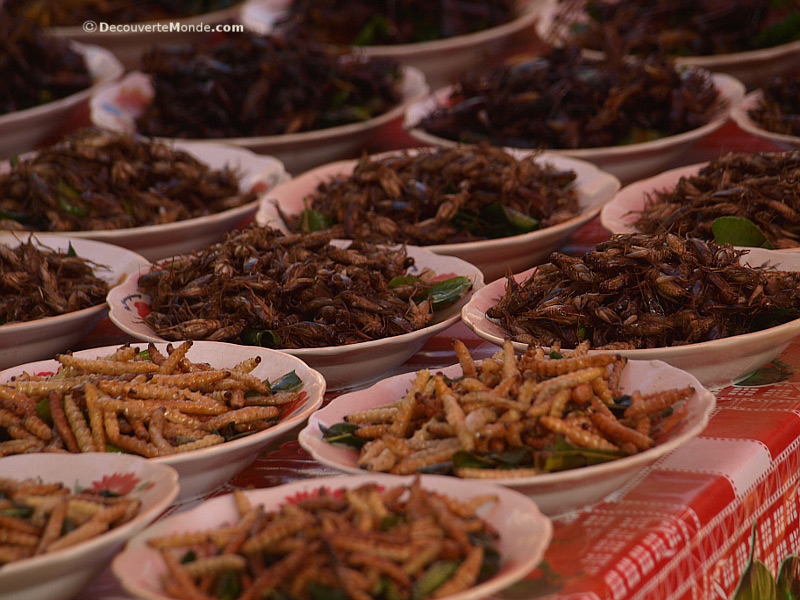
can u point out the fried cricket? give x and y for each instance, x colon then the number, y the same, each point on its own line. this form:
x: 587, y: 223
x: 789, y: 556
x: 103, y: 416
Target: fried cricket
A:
x: 511, y: 416
x: 141, y: 403
x: 368, y: 543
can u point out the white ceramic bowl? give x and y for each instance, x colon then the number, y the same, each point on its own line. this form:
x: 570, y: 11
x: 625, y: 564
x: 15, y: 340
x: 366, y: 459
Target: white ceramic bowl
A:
x: 259, y: 173
x: 752, y: 68
x: 618, y: 215
x: 555, y: 493
x: 524, y: 531
x: 714, y: 363
x: 493, y: 257
x: 629, y: 162
x: 118, y: 106
x: 204, y: 470
x: 442, y: 61
x: 61, y: 574
x: 740, y: 115
x: 33, y: 340
x: 621, y: 214
x: 23, y: 130
x: 129, y: 44
x: 342, y: 366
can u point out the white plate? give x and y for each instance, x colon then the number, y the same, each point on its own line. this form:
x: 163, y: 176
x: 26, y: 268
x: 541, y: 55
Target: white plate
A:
x: 555, y: 493
x: 61, y: 574
x: 204, y: 470
x: 621, y: 214
x: 342, y: 366
x: 743, y: 120
x: 752, y: 67
x: 714, y: 363
x: 118, y: 107
x: 617, y: 216
x: 259, y: 173
x: 442, y: 61
x: 23, y: 130
x: 524, y: 532
x: 45, y: 337
x: 629, y: 162
x: 128, y: 46
x: 493, y: 257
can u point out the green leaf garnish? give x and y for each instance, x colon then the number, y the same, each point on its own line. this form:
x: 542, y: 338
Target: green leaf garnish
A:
x: 313, y: 220
x: 287, y: 383
x: 266, y: 338
x: 738, y: 231
x: 229, y: 586
x: 342, y: 433
x: 438, y: 573
x: 444, y: 293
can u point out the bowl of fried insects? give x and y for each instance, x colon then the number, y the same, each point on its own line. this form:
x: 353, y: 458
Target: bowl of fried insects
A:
x: 771, y: 112
x: 635, y: 118
x: 718, y: 311
x: 745, y: 199
x: 752, y: 42
x: 207, y: 409
x: 565, y: 428
x: 478, y: 539
x: 498, y: 209
x: 53, y: 291
x: 157, y: 199
x: 60, y: 76
x: 309, y: 107
x: 67, y: 514
x: 441, y: 40
x: 129, y: 29
x: 350, y: 309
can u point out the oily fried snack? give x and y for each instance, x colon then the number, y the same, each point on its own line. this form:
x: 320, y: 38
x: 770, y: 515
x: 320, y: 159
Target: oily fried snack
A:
x: 441, y: 196
x: 366, y: 542
x: 679, y: 28
x: 512, y: 417
x: 38, y: 282
x: 646, y: 291
x: 142, y: 403
x: 260, y: 287
x: 94, y: 179
x: 38, y: 518
x: 370, y: 23
x: 244, y: 85
x: 778, y: 110
x: 760, y: 187
x: 36, y: 68
x: 565, y: 99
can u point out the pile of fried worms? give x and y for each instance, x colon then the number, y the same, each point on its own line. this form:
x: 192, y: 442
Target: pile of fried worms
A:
x: 378, y: 540
x: 567, y: 100
x: 442, y: 196
x: 778, y: 110
x: 759, y: 187
x: 99, y: 180
x: 260, y: 287
x: 38, y: 282
x: 646, y: 291
x: 246, y: 85
x: 509, y: 416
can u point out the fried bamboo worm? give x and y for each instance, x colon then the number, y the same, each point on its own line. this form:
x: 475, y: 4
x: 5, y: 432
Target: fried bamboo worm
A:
x: 60, y: 422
